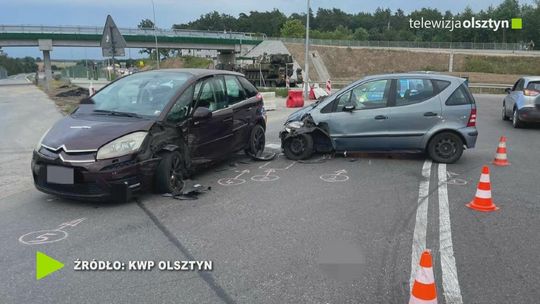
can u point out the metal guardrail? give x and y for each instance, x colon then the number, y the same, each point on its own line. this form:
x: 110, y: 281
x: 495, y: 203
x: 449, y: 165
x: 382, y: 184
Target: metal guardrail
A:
x: 96, y: 30
x: 411, y: 44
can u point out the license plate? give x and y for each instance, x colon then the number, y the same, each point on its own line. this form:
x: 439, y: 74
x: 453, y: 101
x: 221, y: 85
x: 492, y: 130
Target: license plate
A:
x: 59, y: 175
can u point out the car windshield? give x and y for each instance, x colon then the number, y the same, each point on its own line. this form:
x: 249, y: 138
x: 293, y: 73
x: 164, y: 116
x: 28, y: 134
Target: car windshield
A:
x: 139, y: 95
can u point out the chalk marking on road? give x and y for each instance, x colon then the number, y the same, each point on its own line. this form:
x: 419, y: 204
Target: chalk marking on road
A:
x: 338, y: 176
x: 233, y: 181
x: 268, y: 177
x: 285, y: 168
x: 450, y: 283
x: 452, y: 180
x: 420, y: 226
x: 50, y: 235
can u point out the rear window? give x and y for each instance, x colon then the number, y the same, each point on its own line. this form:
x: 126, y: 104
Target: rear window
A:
x: 250, y: 89
x: 441, y: 84
x: 534, y: 85
x: 461, y: 96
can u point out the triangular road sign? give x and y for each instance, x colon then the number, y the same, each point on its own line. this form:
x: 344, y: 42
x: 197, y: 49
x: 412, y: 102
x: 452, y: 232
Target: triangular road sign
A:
x: 46, y: 265
x: 112, y: 42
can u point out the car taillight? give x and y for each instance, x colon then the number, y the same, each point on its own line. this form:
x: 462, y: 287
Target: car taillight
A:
x: 472, y: 118
x: 528, y: 92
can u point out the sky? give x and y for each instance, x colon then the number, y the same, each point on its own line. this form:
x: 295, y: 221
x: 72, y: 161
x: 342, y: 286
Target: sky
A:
x: 128, y: 13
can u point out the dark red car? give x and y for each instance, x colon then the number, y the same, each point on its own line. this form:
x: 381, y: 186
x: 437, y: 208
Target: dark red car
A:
x: 149, y: 130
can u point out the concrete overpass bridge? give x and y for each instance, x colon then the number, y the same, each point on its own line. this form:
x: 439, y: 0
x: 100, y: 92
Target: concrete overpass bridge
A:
x: 226, y: 43
x: 90, y: 36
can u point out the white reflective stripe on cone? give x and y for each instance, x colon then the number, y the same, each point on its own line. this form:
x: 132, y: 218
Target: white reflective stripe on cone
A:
x: 484, y: 178
x: 414, y: 300
x: 483, y: 193
x: 502, y: 145
x: 425, y: 276
x: 500, y: 156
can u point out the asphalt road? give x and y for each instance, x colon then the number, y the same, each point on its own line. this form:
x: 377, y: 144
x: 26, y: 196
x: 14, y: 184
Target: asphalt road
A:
x: 277, y: 232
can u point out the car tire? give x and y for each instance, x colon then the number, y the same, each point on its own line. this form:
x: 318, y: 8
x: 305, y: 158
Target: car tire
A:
x: 257, y: 141
x: 170, y: 173
x: 445, y: 147
x: 504, y: 116
x: 298, y: 147
x: 515, y: 119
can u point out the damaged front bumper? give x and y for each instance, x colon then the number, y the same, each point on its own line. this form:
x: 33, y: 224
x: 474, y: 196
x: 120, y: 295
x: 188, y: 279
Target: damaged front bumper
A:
x: 102, y: 180
x: 322, y: 142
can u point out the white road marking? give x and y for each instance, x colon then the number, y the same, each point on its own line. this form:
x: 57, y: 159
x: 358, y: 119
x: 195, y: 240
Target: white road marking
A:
x: 450, y: 283
x: 420, y: 226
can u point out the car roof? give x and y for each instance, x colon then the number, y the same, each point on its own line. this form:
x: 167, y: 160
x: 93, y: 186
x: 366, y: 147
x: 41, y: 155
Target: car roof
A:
x: 531, y: 78
x: 197, y: 72
x: 429, y: 75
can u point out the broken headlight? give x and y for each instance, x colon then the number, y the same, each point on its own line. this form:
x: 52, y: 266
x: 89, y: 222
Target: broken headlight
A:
x: 122, y: 146
x: 295, y: 125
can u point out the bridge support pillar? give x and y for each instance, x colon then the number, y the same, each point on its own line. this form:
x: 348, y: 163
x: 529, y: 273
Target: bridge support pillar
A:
x: 226, y: 57
x: 45, y: 45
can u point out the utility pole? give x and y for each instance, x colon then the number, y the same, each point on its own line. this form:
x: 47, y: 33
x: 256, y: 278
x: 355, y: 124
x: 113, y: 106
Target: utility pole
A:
x: 155, y: 34
x: 306, y: 59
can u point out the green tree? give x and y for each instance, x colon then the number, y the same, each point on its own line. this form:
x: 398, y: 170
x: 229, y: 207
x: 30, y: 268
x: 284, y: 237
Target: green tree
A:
x: 360, y: 34
x: 147, y: 24
x: 293, y: 29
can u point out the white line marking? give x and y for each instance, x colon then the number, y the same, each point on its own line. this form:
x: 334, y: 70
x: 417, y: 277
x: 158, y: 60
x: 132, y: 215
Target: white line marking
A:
x: 450, y: 283
x: 420, y: 226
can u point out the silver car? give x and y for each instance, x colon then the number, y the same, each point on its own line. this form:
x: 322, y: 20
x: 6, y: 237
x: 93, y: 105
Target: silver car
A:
x: 416, y: 112
x: 522, y: 104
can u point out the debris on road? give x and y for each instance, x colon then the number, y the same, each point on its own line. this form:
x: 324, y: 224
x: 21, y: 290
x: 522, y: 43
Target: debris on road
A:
x: 190, y: 191
x: 264, y: 157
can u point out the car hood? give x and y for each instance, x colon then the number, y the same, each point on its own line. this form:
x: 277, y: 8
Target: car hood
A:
x: 298, y: 114
x: 90, y: 132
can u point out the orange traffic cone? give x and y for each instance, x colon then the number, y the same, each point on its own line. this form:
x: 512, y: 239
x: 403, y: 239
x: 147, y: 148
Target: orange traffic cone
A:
x: 482, y: 200
x: 424, y: 290
x: 501, y: 158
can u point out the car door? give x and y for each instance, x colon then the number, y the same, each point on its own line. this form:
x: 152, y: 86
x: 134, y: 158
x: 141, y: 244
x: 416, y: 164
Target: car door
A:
x: 211, y: 137
x: 243, y: 108
x: 415, y: 108
x: 359, y: 118
x: 514, y: 95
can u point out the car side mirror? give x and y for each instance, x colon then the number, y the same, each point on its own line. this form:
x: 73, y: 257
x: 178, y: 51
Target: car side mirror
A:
x: 202, y: 113
x: 349, y: 108
x: 508, y: 90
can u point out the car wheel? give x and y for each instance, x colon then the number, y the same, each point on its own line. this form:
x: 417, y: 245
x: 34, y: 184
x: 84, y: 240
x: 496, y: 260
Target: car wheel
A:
x: 504, y: 116
x: 515, y: 119
x: 445, y: 147
x: 257, y: 141
x: 169, y: 176
x: 298, y: 147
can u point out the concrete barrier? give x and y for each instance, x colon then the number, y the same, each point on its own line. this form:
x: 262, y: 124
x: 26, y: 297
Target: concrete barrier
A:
x: 269, y: 100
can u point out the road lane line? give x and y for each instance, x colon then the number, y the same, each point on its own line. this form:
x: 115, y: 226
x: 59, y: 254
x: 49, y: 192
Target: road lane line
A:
x: 420, y: 226
x: 450, y: 283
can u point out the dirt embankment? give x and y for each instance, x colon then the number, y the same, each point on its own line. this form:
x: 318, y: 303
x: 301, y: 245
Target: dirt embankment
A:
x: 347, y: 64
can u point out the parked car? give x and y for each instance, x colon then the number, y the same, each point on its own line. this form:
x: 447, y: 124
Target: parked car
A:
x: 395, y: 112
x: 522, y: 104
x: 149, y: 130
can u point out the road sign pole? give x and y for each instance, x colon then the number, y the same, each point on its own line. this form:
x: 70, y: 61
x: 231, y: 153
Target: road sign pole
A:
x: 113, y: 52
